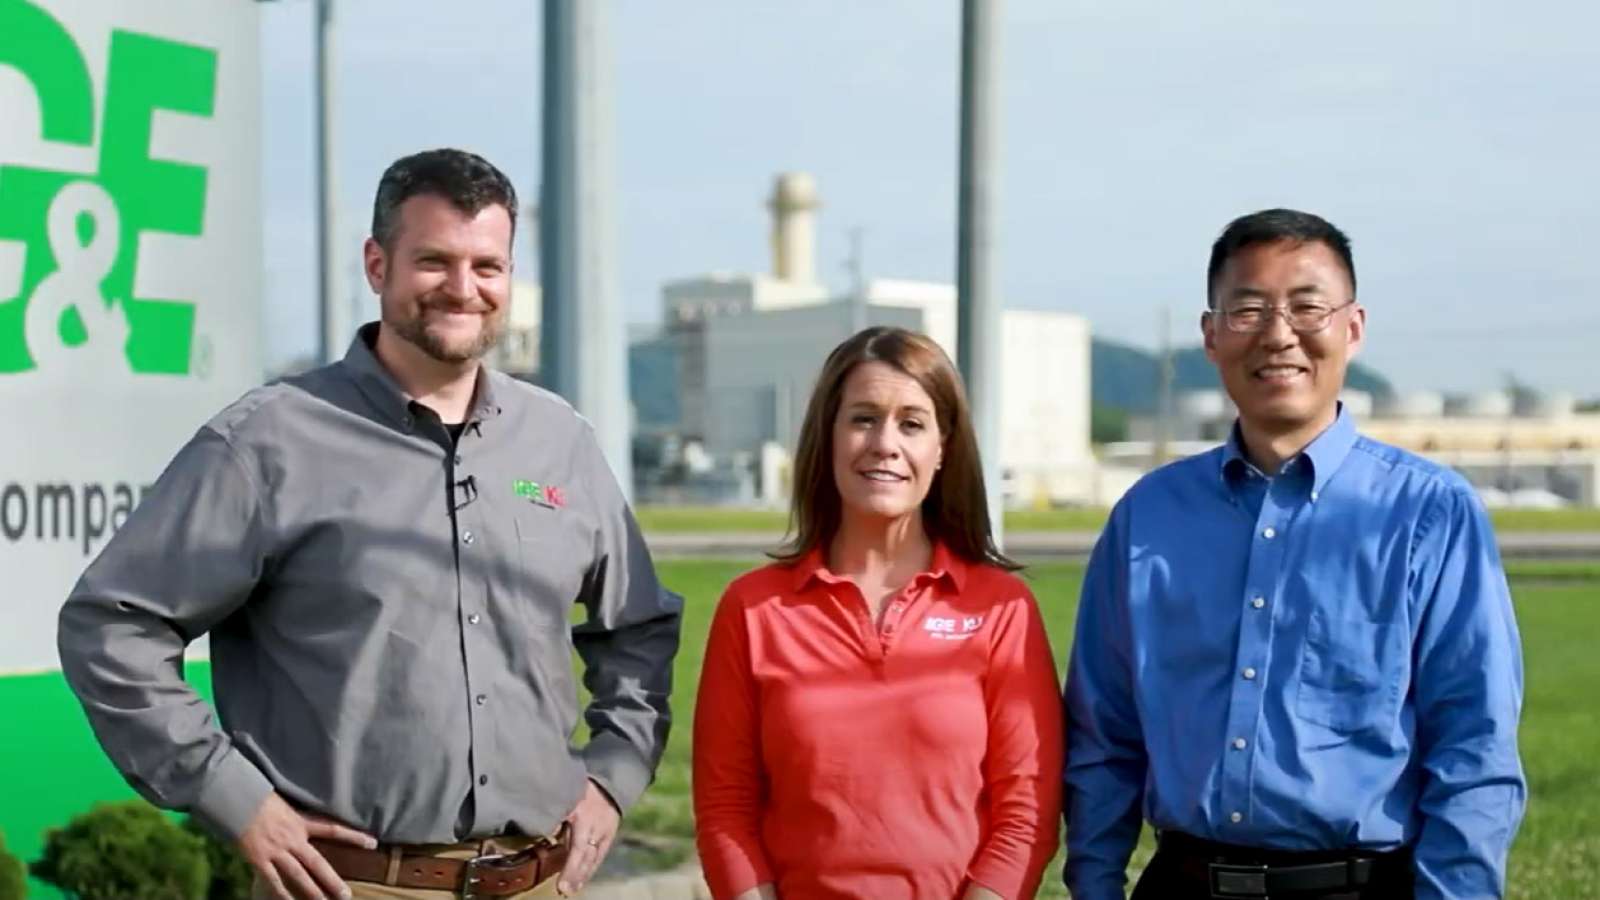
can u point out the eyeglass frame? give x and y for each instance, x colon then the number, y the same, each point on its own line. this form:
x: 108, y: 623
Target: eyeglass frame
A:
x: 1278, y: 311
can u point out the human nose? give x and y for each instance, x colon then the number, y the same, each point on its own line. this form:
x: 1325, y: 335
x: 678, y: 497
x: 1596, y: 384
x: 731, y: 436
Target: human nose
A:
x: 881, y: 441
x: 458, y: 284
x: 1276, y: 330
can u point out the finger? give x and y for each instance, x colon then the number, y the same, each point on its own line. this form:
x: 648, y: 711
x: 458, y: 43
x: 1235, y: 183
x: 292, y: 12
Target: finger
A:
x: 571, y: 873
x: 327, y: 828
x: 591, y: 860
x: 300, y: 883
x: 329, y: 880
x: 275, y: 885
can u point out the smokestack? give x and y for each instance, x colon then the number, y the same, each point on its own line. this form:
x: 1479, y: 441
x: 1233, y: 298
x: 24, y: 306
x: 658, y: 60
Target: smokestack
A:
x: 794, y: 197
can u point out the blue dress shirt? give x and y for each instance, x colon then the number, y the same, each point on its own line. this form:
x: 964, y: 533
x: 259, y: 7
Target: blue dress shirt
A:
x: 1326, y: 658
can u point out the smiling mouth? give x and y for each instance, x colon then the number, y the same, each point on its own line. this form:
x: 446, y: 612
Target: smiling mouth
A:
x: 883, y: 476
x: 1278, y: 374
x: 436, y: 314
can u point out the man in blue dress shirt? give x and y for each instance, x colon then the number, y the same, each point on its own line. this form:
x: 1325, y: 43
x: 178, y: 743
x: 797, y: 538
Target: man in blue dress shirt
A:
x: 1296, y: 655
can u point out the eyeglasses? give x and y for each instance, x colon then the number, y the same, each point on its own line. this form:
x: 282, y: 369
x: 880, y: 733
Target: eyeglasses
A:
x: 1254, y: 318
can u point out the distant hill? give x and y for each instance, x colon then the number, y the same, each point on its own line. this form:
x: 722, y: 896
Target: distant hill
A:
x: 1127, y: 378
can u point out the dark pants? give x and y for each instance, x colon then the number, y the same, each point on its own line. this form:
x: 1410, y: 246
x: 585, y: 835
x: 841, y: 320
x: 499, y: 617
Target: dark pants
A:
x: 1176, y: 872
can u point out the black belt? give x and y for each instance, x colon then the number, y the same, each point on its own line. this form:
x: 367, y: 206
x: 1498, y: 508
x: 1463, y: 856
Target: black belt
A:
x: 1233, y: 871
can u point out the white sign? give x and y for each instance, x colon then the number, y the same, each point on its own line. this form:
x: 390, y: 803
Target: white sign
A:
x: 130, y: 270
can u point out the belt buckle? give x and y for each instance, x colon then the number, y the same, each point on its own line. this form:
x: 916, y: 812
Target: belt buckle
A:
x: 1238, y: 881
x: 470, y: 877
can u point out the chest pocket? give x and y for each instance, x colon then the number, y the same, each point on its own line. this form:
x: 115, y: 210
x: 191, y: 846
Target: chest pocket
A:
x: 1353, y: 673
x: 554, y: 558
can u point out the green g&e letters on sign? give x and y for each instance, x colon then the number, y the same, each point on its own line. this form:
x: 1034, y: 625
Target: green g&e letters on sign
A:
x: 80, y: 231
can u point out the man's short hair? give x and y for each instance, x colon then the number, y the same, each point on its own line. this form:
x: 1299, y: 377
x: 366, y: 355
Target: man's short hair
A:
x: 470, y: 182
x: 1270, y: 226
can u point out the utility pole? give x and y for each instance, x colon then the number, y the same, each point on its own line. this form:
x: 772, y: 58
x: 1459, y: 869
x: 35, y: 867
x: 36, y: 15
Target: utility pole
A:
x: 978, y: 307
x: 858, y: 281
x: 582, y: 336
x: 1164, y: 376
x: 334, y: 327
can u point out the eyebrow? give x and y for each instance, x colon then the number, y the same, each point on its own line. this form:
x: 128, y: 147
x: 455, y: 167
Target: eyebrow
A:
x: 427, y: 250
x: 868, y: 405
x: 1254, y: 293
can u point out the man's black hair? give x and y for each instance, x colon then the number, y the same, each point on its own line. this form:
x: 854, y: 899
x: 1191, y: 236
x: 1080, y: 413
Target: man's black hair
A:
x: 1270, y: 226
x: 470, y: 182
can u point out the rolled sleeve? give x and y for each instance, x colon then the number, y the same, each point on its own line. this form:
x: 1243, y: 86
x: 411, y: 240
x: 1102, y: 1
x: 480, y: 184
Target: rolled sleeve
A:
x: 627, y: 642
x: 123, y: 630
x: 1469, y: 700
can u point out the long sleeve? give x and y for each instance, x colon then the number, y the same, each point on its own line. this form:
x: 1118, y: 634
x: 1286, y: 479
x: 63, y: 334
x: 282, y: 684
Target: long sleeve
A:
x: 729, y: 785
x: 187, y: 557
x: 1022, y: 765
x: 1106, y: 763
x: 627, y: 643
x: 1469, y: 697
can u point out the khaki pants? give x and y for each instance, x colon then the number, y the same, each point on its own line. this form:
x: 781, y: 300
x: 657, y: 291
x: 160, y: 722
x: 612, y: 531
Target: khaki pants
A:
x: 367, y: 890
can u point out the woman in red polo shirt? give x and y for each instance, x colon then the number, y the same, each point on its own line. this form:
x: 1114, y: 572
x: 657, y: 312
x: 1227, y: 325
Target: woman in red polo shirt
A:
x: 879, y: 715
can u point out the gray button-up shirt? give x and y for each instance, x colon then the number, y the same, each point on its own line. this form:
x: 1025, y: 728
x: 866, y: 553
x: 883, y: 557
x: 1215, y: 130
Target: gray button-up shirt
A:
x: 389, y: 615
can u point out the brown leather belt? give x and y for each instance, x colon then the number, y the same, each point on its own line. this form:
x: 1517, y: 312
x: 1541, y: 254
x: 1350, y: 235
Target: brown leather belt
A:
x: 493, y: 875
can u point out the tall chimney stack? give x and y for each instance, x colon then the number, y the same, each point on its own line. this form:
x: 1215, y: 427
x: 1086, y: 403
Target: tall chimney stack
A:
x: 794, y: 198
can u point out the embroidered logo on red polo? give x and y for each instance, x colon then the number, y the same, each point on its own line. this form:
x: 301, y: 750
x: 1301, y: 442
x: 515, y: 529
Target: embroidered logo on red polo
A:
x: 951, y: 628
x: 547, y: 495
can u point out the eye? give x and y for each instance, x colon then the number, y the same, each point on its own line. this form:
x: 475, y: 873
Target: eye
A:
x: 863, y: 419
x: 912, y: 425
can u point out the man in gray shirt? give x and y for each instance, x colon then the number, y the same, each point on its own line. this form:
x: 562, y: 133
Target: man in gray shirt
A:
x: 385, y: 552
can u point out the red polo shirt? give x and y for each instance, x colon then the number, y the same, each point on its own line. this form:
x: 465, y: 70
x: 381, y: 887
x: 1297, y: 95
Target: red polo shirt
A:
x: 839, y: 759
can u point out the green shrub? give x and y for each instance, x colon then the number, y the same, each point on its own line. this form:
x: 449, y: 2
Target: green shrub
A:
x: 125, y: 851
x: 13, y: 878
x: 231, y: 875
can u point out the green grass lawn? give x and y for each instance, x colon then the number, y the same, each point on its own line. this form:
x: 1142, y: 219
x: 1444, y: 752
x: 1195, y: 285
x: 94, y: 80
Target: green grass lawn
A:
x: 714, y: 519
x: 1557, y: 854
x: 54, y: 770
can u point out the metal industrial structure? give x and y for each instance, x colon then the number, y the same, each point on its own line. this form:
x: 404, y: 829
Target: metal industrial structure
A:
x: 748, y: 347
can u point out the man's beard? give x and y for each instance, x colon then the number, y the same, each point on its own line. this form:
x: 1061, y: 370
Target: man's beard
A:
x: 415, y: 332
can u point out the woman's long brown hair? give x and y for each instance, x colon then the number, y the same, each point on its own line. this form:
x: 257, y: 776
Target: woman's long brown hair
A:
x: 955, y: 512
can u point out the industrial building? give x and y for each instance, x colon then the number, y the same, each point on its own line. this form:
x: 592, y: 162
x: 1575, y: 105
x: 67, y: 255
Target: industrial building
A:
x: 750, y: 346
x: 1518, y: 449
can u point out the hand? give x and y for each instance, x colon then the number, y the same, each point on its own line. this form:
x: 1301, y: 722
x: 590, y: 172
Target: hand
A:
x: 277, y: 843
x: 594, y: 824
x: 979, y: 892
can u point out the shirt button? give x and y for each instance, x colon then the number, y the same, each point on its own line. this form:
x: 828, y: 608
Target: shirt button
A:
x: 1239, y: 744
x: 481, y: 699
x: 1269, y: 533
x: 458, y: 459
x: 484, y: 779
x: 1235, y: 818
x: 473, y: 619
x: 466, y: 537
x: 1259, y: 602
x: 1249, y: 674
x: 1313, y: 496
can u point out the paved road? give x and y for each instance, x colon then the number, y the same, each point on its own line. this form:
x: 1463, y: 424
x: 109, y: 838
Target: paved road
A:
x: 1075, y: 545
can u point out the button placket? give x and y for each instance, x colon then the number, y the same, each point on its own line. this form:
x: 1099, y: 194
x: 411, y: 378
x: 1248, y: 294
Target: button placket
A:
x: 1266, y: 552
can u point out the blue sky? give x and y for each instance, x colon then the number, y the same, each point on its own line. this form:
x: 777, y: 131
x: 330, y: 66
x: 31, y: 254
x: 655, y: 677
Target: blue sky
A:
x: 1456, y: 142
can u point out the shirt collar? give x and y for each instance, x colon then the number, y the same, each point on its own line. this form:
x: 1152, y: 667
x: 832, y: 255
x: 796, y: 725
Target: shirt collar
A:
x: 385, y: 392
x: 1324, y: 454
x: 943, y: 565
